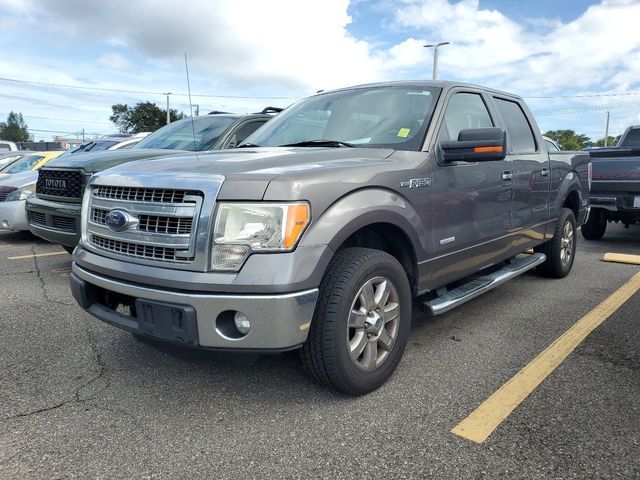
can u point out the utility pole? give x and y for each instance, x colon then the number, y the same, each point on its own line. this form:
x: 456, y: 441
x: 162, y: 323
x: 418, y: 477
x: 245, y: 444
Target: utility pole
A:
x: 197, y: 109
x: 83, y: 134
x: 168, y: 111
x: 435, y: 56
x: 606, y: 131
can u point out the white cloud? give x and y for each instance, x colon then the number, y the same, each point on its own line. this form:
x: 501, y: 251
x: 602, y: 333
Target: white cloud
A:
x: 114, y: 61
x: 294, y: 47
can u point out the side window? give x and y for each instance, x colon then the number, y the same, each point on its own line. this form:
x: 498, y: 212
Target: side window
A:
x: 519, y: 134
x: 551, y: 147
x: 465, y: 110
x: 246, y: 130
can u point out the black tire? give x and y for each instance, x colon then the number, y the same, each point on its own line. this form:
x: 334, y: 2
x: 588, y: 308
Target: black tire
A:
x: 69, y: 250
x: 556, y: 266
x: 596, y: 225
x: 325, y: 354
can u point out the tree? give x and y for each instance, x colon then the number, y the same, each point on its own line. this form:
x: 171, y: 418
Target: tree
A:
x: 611, y: 141
x: 143, y: 117
x: 569, y: 140
x: 14, y: 129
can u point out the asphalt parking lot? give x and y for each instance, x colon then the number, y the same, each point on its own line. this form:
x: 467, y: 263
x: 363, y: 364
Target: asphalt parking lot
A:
x: 80, y: 399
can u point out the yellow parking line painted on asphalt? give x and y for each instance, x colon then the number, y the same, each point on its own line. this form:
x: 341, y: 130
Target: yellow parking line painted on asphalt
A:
x: 489, y: 415
x: 20, y: 257
x: 622, y: 258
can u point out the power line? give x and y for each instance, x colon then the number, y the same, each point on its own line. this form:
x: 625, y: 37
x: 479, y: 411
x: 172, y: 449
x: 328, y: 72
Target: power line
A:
x: 589, y: 95
x: 61, y: 119
x: 588, y: 108
x: 140, y: 92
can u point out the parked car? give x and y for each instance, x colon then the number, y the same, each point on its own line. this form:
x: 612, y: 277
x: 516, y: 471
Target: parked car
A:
x: 32, y: 161
x: 111, y: 142
x: 61, y: 184
x: 336, y: 215
x: 7, y: 146
x: 615, y: 191
x: 14, y: 190
x: 7, y: 158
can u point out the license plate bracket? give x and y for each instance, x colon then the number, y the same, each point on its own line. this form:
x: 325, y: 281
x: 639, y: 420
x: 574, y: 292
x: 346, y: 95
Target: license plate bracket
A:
x: 166, y: 321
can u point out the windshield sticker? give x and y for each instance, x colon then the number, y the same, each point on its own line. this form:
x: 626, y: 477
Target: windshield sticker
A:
x: 404, y: 132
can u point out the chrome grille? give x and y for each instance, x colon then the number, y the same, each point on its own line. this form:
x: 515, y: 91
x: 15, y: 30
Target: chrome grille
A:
x: 141, y: 194
x: 161, y: 223
x: 134, y: 249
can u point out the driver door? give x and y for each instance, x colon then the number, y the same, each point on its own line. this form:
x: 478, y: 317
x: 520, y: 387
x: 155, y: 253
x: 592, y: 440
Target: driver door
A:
x: 472, y: 201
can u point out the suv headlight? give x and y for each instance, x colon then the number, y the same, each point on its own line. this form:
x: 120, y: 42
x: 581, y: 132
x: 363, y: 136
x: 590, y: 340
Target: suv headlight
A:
x: 21, y: 193
x: 243, y: 228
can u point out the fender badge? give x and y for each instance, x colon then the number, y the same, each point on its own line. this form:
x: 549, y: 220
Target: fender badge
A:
x: 416, y: 183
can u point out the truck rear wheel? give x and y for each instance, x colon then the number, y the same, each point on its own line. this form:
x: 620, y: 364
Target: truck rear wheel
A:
x: 596, y: 225
x: 361, y: 323
x: 561, y: 249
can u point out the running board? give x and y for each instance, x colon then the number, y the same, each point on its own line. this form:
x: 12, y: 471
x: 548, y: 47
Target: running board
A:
x: 479, y: 285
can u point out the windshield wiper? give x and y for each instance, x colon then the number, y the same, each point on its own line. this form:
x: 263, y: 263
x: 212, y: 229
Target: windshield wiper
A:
x: 320, y: 143
x: 247, y: 145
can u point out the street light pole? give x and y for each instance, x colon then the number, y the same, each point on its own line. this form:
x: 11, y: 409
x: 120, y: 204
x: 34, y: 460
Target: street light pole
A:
x: 168, y: 115
x: 606, y: 131
x: 435, y: 56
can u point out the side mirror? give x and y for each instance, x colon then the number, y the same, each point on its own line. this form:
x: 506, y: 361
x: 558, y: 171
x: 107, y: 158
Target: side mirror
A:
x: 233, y: 143
x: 476, y: 145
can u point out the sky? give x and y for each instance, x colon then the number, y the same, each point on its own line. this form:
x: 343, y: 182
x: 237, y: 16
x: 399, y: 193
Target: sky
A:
x: 571, y: 60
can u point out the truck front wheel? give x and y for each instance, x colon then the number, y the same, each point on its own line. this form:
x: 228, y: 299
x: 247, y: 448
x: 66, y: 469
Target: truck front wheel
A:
x: 596, y: 225
x: 361, y: 323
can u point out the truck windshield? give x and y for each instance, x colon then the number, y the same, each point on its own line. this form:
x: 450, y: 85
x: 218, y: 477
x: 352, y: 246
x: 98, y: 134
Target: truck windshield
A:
x: 382, y: 116
x: 180, y: 135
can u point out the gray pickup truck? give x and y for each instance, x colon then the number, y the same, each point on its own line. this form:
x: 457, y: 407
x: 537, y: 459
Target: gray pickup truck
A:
x: 615, y: 191
x: 332, y: 220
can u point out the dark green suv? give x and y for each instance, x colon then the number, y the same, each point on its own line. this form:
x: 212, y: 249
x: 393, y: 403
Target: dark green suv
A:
x: 54, y: 212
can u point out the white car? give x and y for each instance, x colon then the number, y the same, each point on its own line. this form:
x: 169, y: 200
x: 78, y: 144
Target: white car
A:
x: 14, y: 191
x: 111, y: 142
x: 7, y: 146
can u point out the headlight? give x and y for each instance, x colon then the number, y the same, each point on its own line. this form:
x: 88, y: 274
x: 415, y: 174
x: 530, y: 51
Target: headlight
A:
x: 21, y: 193
x: 242, y: 228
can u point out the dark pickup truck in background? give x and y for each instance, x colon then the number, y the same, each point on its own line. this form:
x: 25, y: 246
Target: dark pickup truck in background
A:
x: 336, y: 216
x: 615, y: 191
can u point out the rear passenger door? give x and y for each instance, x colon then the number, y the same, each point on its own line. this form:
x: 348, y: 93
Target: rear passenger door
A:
x: 530, y: 173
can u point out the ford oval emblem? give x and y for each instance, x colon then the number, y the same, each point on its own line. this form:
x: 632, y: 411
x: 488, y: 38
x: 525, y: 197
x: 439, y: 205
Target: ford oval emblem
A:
x: 117, y: 220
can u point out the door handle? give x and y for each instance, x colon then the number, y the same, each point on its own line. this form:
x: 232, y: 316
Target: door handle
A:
x: 507, y: 175
x: 545, y: 172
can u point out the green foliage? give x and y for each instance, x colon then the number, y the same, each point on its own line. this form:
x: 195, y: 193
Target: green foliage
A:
x: 569, y: 140
x: 14, y: 129
x: 611, y: 141
x: 143, y: 117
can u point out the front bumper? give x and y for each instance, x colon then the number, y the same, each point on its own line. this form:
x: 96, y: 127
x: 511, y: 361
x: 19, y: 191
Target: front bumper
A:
x: 57, y: 222
x: 279, y: 322
x: 13, y: 215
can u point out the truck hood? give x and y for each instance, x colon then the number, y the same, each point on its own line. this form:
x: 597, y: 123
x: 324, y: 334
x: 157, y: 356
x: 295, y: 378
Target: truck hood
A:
x: 247, y: 172
x: 91, y: 162
x: 259, y: 162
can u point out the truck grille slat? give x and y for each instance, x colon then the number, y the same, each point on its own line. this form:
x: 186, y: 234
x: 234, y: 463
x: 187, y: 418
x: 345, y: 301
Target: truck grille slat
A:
x: 142, y: 194
x: 38, y: 218
x: 134, y: 249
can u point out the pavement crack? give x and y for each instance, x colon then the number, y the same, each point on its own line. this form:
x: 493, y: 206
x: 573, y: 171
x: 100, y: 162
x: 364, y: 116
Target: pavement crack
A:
x: 43, y: 286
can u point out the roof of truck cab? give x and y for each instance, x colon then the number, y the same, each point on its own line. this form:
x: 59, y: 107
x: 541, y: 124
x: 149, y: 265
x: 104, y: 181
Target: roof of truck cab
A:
x: 443, y: 84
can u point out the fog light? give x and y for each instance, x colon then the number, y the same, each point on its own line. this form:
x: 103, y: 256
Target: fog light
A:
x: 242, y: 323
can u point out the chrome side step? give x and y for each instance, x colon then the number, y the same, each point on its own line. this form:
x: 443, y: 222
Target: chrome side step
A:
x: 453, y: 298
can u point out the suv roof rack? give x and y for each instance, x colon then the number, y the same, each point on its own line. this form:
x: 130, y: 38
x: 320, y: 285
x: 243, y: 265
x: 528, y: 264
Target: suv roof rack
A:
x: 272, y: 110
